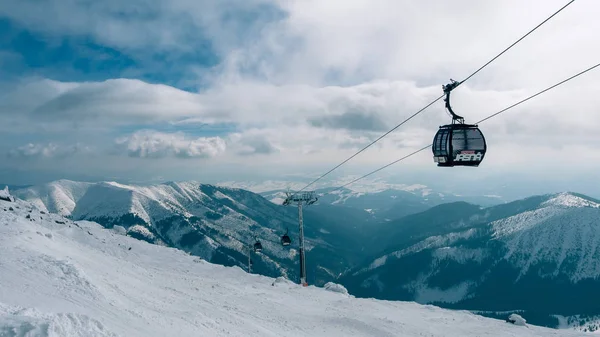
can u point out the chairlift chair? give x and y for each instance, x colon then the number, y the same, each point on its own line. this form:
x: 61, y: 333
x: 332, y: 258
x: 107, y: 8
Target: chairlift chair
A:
x: 257, y: 246
x: 285, y: 239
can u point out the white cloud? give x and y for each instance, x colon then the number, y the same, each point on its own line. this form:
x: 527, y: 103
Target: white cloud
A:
x: 49, y: 150
x: 357, y: 40
x: 312, y: 88
x: 136, y: 24
x: 93, y: 104
x: 153, y: 144
x: 252, y: 143
x: 110, y: 103
x: 280, y: 120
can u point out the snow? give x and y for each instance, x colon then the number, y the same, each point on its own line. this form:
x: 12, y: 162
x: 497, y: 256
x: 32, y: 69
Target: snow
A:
x: 109, y: 201
x: 59, y: 196
x: 22, y: 322
x: 583, y: 323
x: 517, y: 320
x: 569, y: 200
x: 460, y: 254
x: 141, y: 230
x: 563, y: 233
x: 263, y: 186
x: 457, y: 293
x: 120, y: 230
x: 82, y: 280
x: 283, y: 282
x: 5, y: 195
x: 378, y: 262
x: 565, y: 228
x: 277, y: 200
x: 336, y: 288
x: 430, y: 242
x: 368, y: 185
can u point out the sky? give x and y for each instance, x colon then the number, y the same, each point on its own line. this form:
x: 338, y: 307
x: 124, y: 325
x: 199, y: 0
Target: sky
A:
x: 154, y: 90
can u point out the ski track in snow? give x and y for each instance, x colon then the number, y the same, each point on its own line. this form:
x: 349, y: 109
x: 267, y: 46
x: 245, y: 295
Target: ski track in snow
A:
x: 80, y: 279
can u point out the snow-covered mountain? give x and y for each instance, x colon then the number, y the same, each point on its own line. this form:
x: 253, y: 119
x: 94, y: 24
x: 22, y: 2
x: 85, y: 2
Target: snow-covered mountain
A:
x: 540, y: 255
x: 387, y: 201
x: 214, y: 222
x: 60, y: 277
x: 56, y: 197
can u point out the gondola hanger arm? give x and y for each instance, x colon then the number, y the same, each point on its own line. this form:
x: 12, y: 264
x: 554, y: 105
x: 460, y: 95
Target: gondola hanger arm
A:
x: 447, y: 90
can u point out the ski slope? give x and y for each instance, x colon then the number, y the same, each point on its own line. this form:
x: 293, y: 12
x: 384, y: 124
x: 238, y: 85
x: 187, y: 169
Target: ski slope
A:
x: 65, y: 278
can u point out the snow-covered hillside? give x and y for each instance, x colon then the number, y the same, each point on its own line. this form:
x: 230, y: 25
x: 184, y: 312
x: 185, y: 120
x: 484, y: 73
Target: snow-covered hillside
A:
x: 65, y: 278
x: 375, y: 194
x: 564, y: 232
x: 367, y: 185
x: 81, y: 199
x: 213, y: 222
x: 59, y: 196
x: 539, y: 254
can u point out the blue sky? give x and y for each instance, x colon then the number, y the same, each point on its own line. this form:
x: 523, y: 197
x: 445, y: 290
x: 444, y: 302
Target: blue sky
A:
x: 63, y: 58
x: 151, y: 90
x: 73, y: 56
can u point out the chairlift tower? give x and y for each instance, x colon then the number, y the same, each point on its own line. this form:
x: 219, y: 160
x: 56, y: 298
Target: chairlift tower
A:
x: 257, y: 247
x: 249, y: 259
x: 307, y: 198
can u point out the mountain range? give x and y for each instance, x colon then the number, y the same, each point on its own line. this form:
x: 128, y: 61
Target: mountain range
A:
x: 60, y: 277
x: 537, y: 255
x: 386, y: 200
x: 540, y: 255
x: 216, y: 223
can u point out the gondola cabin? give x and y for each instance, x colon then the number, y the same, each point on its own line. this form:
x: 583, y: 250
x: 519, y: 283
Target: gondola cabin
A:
x: 459, y: 145
x: 286, y: 240
x: 257, y: 246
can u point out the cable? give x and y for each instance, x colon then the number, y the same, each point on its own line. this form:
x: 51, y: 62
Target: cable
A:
x: 539, y: 93
x: 483, y: 120
x: 437, y: 99
x: 379, y: 169
x: 375, y: 141
x: 524, y: 36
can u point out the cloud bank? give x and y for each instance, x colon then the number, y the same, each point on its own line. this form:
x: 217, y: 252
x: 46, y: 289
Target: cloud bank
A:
x: 279, y: 85
x: 152, y: 144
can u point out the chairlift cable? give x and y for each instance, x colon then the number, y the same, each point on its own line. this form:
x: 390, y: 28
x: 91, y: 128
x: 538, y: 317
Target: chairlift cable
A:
x: 483, y: 120
x: 437, y: 99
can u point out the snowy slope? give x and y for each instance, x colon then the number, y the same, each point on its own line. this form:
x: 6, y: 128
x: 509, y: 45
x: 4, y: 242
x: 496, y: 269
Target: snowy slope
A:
x: 374, y: 194
x: 201, y: 219
x: 564, y: 232
x: 5, y: 194
x: 387, y: 203
x: 80, y: 279
x: 80, y: 199
x: 58, y: 196
x: 563, y: 226
x: 215, y: 223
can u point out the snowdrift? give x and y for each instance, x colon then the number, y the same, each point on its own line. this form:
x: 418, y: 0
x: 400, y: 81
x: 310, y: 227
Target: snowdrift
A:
x: 65, y: 278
